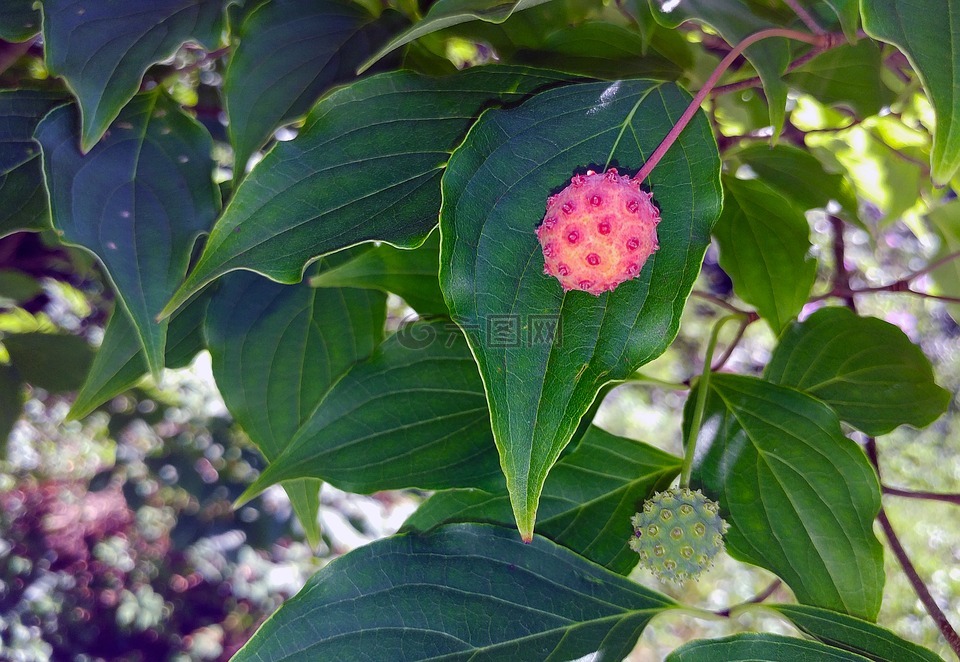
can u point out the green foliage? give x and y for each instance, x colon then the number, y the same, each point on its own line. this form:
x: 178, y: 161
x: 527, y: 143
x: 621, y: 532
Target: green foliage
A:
x: 800, y: 498
x: 137, y: 200
x: 490, y: 270
x: 926, y: 32
x: 124, y: 126
x: 542, y: 601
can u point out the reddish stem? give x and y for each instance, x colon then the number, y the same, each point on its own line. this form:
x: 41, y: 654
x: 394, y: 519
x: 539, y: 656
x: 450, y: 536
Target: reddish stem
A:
x: 671, y: 137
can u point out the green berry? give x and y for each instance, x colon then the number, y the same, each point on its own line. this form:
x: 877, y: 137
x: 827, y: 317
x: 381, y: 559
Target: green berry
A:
x: 687, y: 547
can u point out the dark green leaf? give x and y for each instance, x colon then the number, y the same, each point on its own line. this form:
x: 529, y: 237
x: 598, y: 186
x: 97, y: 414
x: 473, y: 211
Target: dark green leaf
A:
x: 799, y: 496
x: 853, y: 634
x: 278, y: 349
x: 17, y: 287
x: 20, y: 111
x: 290, y: 52
x: 848, y: 12
x: 23, y: 201
x: 588, y: 499
x: 848, y: 76
x: 11, y: 404
x: 760, y: 648
x: 411, y: 274
x: 18, y: 20
x: 735, y: 20
x: 764, y: 239
x: 866, y: 369
x: 604, y: 50
x: 798, y: 175
x: 494, y: 193
x: 120, y: 362
x: 413, y: 415
x: 463, y: 592
x: 446, y: 13
x: 137, y: 201
x: 928, y: 32
x: 53, y: 362
x: 366, y: 166
x: 103, y: 49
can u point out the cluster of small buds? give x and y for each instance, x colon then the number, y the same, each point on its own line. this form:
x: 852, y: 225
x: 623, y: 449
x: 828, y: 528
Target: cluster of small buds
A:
x: 678, y: 533
x: 598, y: 232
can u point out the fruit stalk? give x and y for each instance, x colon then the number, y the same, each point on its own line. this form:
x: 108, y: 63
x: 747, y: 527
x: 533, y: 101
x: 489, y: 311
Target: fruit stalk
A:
x: 820, y: 41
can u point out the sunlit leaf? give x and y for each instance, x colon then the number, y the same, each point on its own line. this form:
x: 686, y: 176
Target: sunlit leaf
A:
x: 764, y: 240
x: 799, y: 496
x: 928, y: 32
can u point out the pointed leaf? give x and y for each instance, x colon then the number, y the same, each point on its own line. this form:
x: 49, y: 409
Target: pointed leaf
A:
x: 798, y: 175
x: 23, y: 201
x: 735, y: 20
x: 366, y: 166
x: 103, y: 49
x: 277, y: 350
x: 848, y: 11
x: 764, y: 240
x: 447, y: 13
x: 928, y: 33
x: 800, y: 497
x: 18, y: 20
x: 120, y: 362
x: 413, y: 415
x: 137, y: 201
x: 290, y: 52
x: 463, y: 592
x: 853, y: 634
x: 539, y: 384
x: 411, y: 274
x: 760, y: 648
x: 866, y: 369
x: 51, y: 361
x: 848, y: 75
x: 588, y: 499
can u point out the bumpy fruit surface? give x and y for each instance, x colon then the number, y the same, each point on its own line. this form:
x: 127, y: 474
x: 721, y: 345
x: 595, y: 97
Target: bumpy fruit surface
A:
x: 678, y: 534
x: 598, y: 232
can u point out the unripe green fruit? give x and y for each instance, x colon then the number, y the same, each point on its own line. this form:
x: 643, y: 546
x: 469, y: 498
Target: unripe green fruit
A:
x: 678, y: 533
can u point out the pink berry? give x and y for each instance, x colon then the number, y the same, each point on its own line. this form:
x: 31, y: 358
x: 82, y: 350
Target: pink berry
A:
x: 598, y: 232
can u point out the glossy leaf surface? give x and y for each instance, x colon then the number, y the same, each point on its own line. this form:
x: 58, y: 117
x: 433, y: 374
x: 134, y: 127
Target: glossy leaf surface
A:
x: 463, y: 592
x: 760, y: 648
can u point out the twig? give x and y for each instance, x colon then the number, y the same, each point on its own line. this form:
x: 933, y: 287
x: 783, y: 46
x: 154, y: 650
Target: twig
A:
x: 717, y: 301
x: 936, y: 264
x: 747, y: 83
x: 694, y: 106
x: 804, y: 16
x: 757, y: 599
x: 841, y: 277
x: 919, y: 494
x: 722, y: 361
x: 919, y: 587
